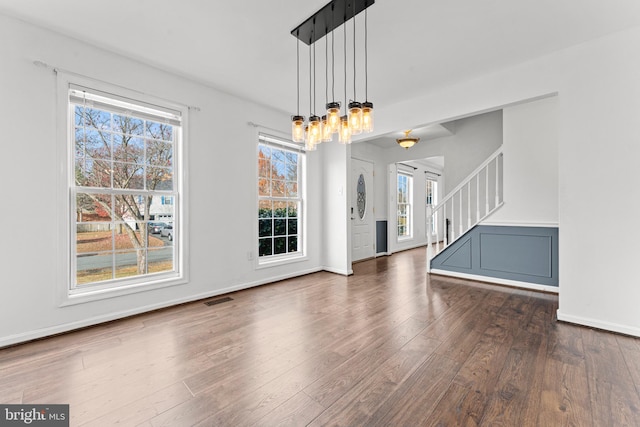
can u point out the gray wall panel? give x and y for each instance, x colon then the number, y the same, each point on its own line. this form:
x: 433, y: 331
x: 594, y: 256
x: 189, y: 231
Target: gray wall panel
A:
x: 525, y: 254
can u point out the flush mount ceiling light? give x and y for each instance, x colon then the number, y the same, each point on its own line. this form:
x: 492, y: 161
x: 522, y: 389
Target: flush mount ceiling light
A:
x: 407, y: 141
x: 357, y: 116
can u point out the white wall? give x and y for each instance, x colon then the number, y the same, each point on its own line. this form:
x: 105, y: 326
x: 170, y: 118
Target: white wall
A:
x: 530, y: 165
x: 475, y: 139
x: 221, y: 151
x: 598, y: 101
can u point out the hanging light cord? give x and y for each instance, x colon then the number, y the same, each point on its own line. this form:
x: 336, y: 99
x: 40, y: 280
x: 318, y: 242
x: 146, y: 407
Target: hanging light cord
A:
x: 326, y: 65
x: 310, y: 80
x: 366, y: 59
x: 314, y: 78
x: 333, y: 61
x: 298, y: 70
x: 354, y: 51
x: 345, y: 62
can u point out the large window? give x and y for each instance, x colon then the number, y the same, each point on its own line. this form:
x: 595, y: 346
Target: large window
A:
x: 404, y: 197
x: 124, y: 191
x: 280, y: 173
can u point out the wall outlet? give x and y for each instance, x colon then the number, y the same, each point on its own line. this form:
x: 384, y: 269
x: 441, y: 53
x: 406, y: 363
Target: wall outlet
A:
x: 250, y: 256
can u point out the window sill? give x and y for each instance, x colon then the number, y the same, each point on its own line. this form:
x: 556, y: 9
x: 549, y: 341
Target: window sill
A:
x: 275, y: 262
x: 84, y: 296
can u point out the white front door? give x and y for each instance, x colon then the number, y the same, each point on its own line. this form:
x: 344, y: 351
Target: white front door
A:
x: 363, y: 221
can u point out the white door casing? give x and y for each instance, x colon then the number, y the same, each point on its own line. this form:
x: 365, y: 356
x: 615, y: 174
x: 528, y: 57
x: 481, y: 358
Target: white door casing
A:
x: 362, y: 216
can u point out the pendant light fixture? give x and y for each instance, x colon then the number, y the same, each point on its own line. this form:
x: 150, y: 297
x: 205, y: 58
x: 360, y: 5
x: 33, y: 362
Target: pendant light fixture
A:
x: 297, y: 121
x: 367, y: 107
x: 326, y: 127
x: 345, y: 129
x: 408, y: 141
x: 355, y: 107
x: 357, y: 116
x: 313, y: 127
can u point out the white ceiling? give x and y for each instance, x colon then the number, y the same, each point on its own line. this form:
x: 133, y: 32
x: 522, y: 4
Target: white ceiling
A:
x: 244, y: 47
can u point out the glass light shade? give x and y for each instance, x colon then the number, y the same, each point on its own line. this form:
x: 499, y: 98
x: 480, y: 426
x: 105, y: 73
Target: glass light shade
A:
x: 345, y: 131
x: 333, y: 116
x: 309, y: 139
x: 326, y: 130
x: 315, y: 128
x: 297, y: 128
x: 367, y: 117
x: 355, y: 117
x: 408, y: 141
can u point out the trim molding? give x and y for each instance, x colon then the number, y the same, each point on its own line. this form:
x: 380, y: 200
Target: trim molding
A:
x: 498, y: 281
x: 599, y: 324
x: 67, y: 327
x: 348, y: 272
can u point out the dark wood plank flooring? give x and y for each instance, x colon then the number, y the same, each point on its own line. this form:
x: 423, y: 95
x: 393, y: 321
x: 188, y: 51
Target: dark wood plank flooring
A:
x: 388, y: 346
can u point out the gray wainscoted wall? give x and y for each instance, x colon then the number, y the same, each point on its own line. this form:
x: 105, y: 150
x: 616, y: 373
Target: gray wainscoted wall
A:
x: 525, y: 254
x: 381, y: 237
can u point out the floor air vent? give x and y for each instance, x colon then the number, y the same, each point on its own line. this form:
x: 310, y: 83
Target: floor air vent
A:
x: 218, y: 301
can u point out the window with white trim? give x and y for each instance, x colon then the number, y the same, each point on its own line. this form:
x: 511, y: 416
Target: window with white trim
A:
x: 125, y: 179
x: 405, y: 197
x: 280, y: 189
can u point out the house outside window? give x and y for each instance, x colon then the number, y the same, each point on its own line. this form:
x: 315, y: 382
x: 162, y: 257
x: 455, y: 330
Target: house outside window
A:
x: 280, y: 200
x: 124, y: 177
x: 404, y: 198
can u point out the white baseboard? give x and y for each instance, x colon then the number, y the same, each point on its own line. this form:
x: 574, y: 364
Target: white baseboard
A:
x: 599, y: 324
x: 383, y: 254
x: 498, y: 281
x: 66, y: 327
x: 348, y: 272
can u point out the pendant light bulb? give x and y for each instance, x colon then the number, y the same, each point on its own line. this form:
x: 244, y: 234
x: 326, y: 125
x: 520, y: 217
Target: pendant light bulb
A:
x: 367, y: 117
x: 326, y: 129
x: 355, y: 117
x: 333, y: 116
x: 297, y: 128
x: 345, y: 131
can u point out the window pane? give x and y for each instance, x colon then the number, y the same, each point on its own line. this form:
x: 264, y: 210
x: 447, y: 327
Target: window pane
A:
x: 128, y: 149
x: 127, y: 125
x: 94, y: 173
x: 160, y: 259
x: 265, y: 247
x: 94, y: 268
x: 293, y: 244
x: 292, y: 189
x: 130, y: 263
x: 131, y: 208
x: 128, y: 175
x: 279, y: 245
x: 280, y: 209
x: 79, y: 116
x: 93, y: 207
x: 264, y: 187
x: 264, y: 167
x: 159, y: 178
x: 159, y: 153
x: 277, y: 155
x: 97, y: 144
x: 265, y: 227
x: 292, y: 209
x: 277, y: 188
x: 264, y: 209
x: 292, y: 226
x: 94, y: 237
x: 279, y: 227
x: 97, y: 119
x: 291, y: 171
x: 160, y: 131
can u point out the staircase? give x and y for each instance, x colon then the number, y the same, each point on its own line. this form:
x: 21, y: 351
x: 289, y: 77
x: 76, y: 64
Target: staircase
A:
x: 473, y: 200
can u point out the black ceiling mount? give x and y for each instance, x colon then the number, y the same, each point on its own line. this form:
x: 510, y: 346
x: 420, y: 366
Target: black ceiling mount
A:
x: 327, y: 19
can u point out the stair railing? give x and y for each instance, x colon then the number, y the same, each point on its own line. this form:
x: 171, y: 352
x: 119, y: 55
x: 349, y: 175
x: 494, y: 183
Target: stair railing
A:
x: 472, y: 201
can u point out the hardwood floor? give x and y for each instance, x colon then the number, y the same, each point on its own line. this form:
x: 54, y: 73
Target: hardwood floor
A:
x: 388, y: 346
